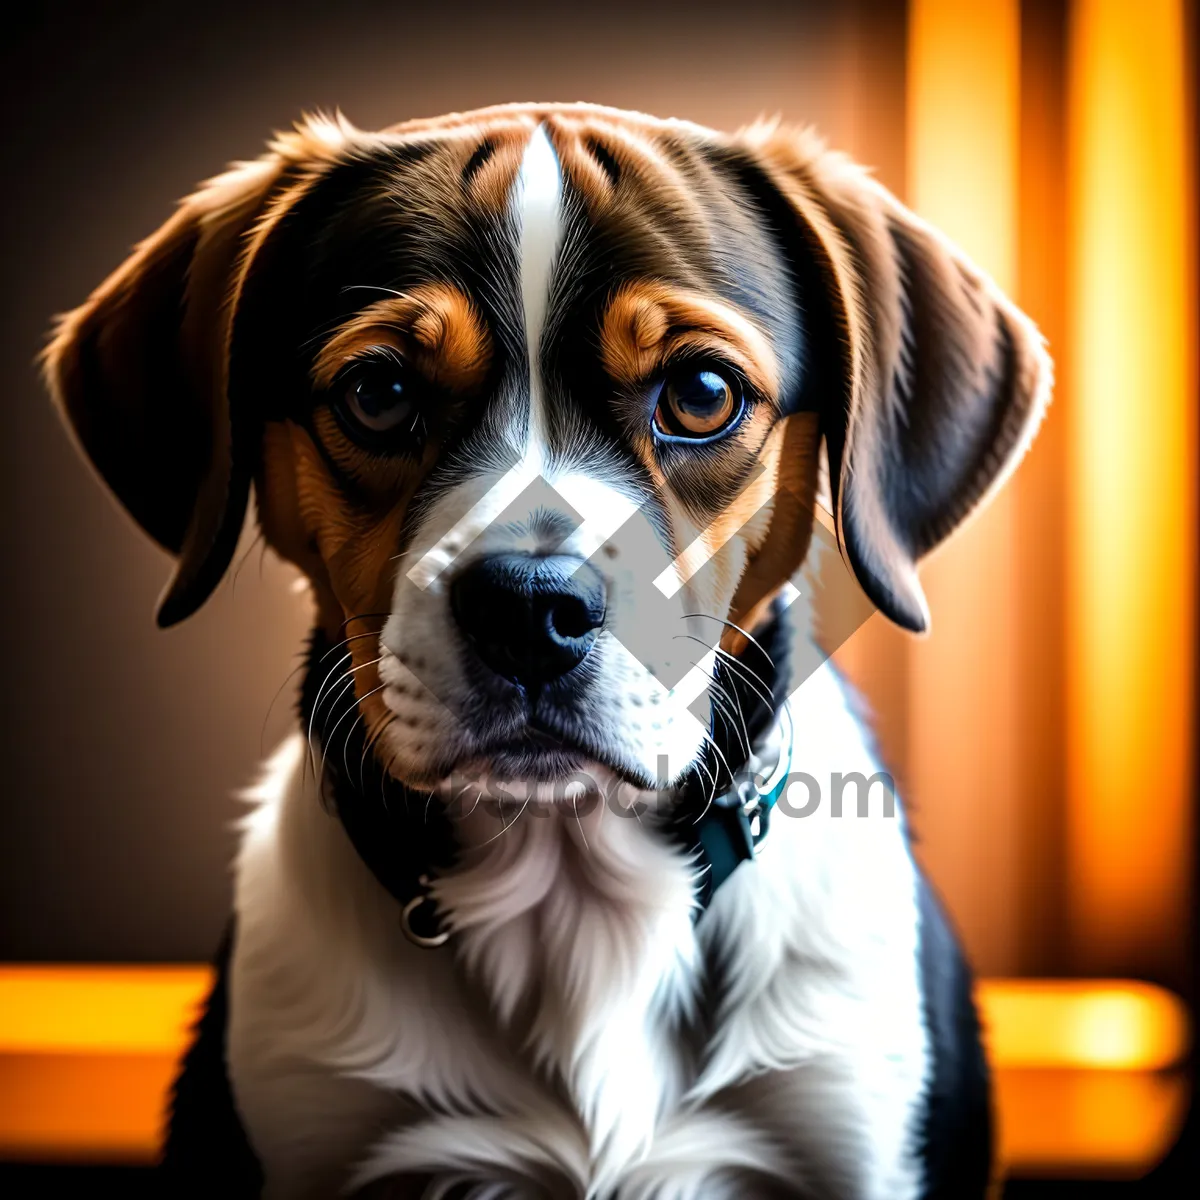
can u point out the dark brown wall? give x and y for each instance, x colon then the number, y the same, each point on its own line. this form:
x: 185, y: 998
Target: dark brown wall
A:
x: 123, y: 746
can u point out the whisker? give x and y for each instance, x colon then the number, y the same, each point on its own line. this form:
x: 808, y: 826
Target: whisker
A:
x: 374, y: 287
x: 345, y: 682
x: 478, y: 797
x: 724, y: 699
x: 369, y: 743
x: 731, y: 625
x: 364, y: 617
x: 728, y: 706
x: 316, y: 708
x: 259, y: 539
x: 324, y: 682
x: 323, y: 331
x: 353, y: 707
x: 712, y: 791
x: 735, y: 663
x: 504, y: 828
x: 578, y: 821
x: 752, y: 678
x: 354, y: 637
x: 717, y: 750
x: 346, y: 741
x: 262, y: 733
x: 359, y: 720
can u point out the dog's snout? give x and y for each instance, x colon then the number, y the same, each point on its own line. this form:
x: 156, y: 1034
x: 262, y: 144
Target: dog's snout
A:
x: 531, y: 618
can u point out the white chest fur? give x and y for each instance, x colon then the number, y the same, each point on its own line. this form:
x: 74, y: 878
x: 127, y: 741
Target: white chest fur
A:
x: 576, y: 1037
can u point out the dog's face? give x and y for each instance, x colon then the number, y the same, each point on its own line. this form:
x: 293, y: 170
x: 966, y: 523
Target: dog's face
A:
x: 534, y: 397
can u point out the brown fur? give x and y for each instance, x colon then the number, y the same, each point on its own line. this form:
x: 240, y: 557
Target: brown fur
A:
x: 437, y: 327
x: 648, y: 323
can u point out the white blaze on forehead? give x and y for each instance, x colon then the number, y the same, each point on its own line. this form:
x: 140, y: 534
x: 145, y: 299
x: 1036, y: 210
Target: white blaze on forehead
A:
x: 537, y: 206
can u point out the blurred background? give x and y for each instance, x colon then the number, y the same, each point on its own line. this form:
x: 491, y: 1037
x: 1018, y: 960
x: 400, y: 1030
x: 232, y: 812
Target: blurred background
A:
x: 1043, y: 734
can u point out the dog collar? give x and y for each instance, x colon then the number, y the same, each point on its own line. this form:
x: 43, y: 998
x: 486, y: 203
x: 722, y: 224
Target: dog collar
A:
x: 406, y: 840
x: 724, y: 816
x: 403, y: 838
x: 729, y: 832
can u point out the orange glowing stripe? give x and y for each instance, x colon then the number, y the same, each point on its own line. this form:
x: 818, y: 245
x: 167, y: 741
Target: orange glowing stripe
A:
x: 1132, y: 512
x: 84, y: 1107
x: 963, y: 115
x: 67, y: 1009
x: 1113, y: 1124
x: 64, y: 1010
x: 963, y: 125
x: 87, y: 1055
x: 1082, y: 1024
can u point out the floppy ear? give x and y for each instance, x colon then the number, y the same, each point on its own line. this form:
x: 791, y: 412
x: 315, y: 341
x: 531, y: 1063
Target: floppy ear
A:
x: 140, y: 370
x: 929, y: 382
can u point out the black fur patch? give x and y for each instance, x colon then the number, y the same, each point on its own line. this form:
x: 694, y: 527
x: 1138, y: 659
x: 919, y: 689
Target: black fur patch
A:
x: 207, y: 1152
x: 956, y: 1131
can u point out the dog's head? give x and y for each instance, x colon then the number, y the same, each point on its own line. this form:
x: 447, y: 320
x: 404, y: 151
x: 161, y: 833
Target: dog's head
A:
x: 534, y: 396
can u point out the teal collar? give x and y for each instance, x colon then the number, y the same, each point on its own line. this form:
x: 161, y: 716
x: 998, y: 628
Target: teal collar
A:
x: 729, y: 832
x: 721, y: 832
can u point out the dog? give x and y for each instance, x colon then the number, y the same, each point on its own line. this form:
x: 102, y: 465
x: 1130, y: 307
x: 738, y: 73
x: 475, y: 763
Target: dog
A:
x: 547, y: 403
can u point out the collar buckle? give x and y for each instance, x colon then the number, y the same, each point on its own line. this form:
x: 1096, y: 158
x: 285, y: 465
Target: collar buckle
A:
x: 419, y: 920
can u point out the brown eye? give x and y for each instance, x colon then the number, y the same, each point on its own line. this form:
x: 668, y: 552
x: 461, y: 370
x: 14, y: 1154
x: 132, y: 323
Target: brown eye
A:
x: 379, y: 398
x: 697, y: 404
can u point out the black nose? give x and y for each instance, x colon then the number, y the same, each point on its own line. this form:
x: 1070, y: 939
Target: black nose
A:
x: 530, y: 618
